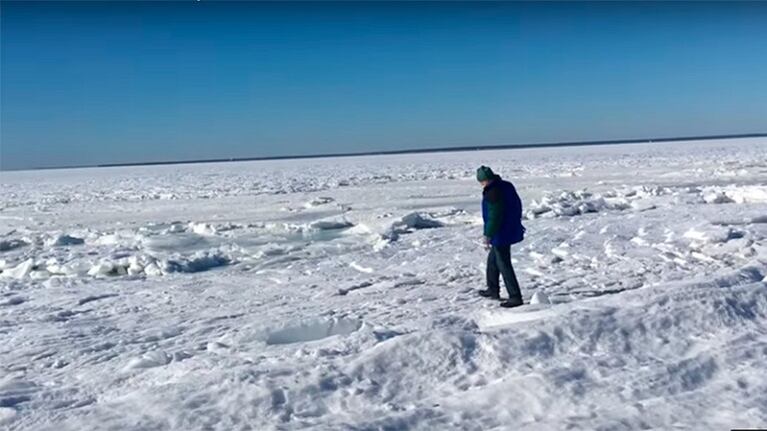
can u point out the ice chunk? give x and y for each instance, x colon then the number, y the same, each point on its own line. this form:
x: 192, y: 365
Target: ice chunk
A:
x: 176, y: 227
x: 318, y: 201
x: 716, y: 197
x: 711, y: 234
x: 573, y: 203
x: 156, y: 358
x: 104, y: 267
x: 152, y: 270
x: 202, y: 228
x: 19, y: 271
x: 420, y: 221
x: 200, y: 261
x: 361, y: 268
x: 63, y: 240
x: 540, y: 298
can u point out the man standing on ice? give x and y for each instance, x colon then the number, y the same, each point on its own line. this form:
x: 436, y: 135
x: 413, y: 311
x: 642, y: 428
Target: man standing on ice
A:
x: 502, y: 215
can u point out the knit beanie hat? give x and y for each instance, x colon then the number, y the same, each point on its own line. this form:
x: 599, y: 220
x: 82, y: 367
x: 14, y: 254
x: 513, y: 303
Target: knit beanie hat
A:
x: 485, y: 174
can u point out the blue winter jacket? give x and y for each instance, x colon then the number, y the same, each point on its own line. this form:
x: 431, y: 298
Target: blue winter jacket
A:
x: 502, y: 213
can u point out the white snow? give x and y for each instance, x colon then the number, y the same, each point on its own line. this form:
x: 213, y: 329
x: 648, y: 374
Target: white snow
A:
x: 341, y: 293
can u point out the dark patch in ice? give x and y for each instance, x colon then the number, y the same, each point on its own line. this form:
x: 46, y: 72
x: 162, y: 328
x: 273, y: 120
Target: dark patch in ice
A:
x: 225, y: 317
x: 690, y: 374
x: 748, y: 274
x: 64, y: 315
x: 14, y: 392
x: 88, y: 299
x: 13, y: 300
x: 344, y: 291
x: 420, y: 221
x: 540, y: 345
x: 595, y: 293
x: 331, y: 224
x: 73, y: 403
x: 11, y: 244
x: 453, y: 321
x: 64, y: 240
x: 13, y: 400
x: 278, y: 398
x: 382, y: 335
x: 573, y: 379
x: 409, y: 282
x: 199, y: 263
x: 738, y: 309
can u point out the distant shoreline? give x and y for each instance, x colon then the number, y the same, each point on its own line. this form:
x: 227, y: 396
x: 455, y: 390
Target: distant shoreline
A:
x: 415, y: 151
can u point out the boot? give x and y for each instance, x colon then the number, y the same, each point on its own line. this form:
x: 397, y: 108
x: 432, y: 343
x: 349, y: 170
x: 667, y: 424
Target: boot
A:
x: 486, y: 293
x: 512, y: 302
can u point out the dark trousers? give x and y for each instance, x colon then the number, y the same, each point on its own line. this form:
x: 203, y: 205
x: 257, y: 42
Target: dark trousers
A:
x: 499, y: 263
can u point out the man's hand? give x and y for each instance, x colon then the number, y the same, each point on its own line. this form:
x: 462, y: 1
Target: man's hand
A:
x: 486, y: 242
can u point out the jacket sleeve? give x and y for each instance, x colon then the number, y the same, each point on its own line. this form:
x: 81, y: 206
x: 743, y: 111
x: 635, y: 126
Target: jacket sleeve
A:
x: 494, y: 212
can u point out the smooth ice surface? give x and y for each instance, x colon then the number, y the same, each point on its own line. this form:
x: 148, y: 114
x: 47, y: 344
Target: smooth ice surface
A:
x: 340, y: 293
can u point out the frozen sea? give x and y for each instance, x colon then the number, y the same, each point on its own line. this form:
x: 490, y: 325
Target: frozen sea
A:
x: 340, y: 293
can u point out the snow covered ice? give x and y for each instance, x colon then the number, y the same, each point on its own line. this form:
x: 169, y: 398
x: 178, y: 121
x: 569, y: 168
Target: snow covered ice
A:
x: 341, y: 293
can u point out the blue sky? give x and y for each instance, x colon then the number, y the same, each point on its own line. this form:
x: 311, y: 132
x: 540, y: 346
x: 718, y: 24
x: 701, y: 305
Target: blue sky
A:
x: 116, y: 82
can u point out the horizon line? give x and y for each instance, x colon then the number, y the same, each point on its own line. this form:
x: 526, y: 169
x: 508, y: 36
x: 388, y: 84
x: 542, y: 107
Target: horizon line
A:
x: 411, y: 151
